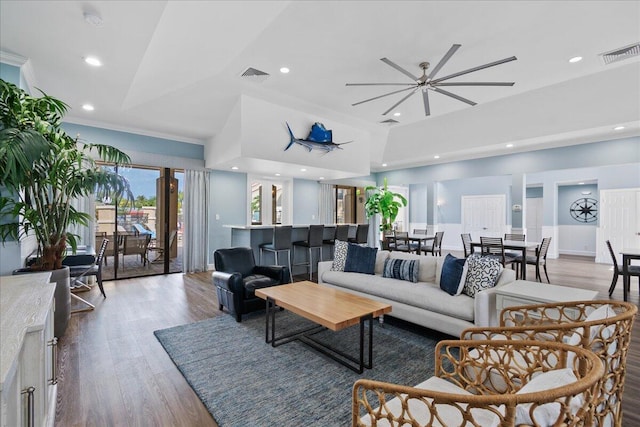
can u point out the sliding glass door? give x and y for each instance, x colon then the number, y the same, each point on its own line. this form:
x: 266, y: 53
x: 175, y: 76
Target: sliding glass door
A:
x: 145, y: 237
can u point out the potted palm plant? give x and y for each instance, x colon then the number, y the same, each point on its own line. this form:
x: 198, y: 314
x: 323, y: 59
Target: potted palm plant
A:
x: 384, y: 202
x: 42, y: 170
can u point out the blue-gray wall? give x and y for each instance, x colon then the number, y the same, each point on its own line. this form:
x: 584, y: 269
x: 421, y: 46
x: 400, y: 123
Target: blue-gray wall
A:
x: 10, y: 73
x: 534, y: 192
x: 228, y: 206
x: 306, y: 201
x: 567, y: 194
x: 450, y: 195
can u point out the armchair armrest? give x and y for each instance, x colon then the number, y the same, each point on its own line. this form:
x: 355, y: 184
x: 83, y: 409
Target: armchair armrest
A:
x: 322, y: 267
x: 229, y: 281
x: 276, y: 272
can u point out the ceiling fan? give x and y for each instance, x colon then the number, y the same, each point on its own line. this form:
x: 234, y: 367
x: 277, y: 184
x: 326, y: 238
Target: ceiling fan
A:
x: 429, y: 82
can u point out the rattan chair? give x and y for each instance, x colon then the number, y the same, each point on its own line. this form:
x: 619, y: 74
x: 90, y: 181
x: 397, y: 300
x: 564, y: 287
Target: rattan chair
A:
x: 457, y: 395
x: 607, y: 337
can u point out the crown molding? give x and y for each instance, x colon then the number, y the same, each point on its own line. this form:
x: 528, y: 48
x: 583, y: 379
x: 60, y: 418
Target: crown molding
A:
x: 26, y: 70
x: 137, y: 131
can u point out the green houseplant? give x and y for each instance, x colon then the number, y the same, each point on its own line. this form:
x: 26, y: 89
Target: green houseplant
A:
x: 42, y: 169
x: 384, y: 202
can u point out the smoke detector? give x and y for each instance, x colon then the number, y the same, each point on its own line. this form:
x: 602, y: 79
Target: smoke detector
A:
x: 254, y: 75
x: 93, y: 19
x: 621, y: 54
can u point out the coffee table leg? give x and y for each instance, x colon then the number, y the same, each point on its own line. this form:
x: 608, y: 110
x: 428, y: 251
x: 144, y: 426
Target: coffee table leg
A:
x: 369, y: 364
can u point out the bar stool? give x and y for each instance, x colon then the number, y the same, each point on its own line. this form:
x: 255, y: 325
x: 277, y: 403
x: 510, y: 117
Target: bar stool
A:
x: 314, y: 241
x: 281, y: 242
x: 361, y: 235
x: 329, y: 238
x: 341, y: 233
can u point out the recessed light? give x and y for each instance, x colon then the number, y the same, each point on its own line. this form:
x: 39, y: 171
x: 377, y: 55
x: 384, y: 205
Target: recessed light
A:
x: 303, y: 170
x: 235, y: 168
x: 618, y: 128
x: 509, y: 145
x: 384, y: 165
x: 575, y: 59
x: 93, y: 61
x: 277, y: 174
x: 581, y: 183
x: 436, y: 157
x: 322, y: 177
x: 397, y: 114
x: 284, y: 70
x: 88, y: 107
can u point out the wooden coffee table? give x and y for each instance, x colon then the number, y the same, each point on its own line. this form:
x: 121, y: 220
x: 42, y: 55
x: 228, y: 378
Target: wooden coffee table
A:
x: 329, y: 308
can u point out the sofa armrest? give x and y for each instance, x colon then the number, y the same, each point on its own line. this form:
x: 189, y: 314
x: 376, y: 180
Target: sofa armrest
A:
x: 322, y: 267
x: 484, y: 309
x: 276, y: 272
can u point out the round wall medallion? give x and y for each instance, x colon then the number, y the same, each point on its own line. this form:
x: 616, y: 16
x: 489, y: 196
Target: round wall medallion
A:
x: 584, y: 210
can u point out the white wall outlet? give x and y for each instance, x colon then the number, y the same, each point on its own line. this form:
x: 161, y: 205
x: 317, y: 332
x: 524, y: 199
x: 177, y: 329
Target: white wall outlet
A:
x: 217, y: 217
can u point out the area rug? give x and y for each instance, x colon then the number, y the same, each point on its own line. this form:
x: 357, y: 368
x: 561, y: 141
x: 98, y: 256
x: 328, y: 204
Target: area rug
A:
x: 243, y: 381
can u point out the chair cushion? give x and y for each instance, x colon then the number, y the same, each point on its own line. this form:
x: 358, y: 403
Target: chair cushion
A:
x: 256, y: 281
x: 360, y: 259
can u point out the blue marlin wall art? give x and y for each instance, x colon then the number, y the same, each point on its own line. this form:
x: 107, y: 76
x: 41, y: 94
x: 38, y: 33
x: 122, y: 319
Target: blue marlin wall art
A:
x: 319, y: 138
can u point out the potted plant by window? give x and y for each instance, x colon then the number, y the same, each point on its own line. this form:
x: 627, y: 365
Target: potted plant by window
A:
x: 384, y: 202
x: 42, y: 170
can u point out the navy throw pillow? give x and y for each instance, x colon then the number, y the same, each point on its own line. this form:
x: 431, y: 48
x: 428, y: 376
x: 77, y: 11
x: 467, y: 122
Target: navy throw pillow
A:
x: 402, y: 269
x: 360, y: 259
x: 451, y: 274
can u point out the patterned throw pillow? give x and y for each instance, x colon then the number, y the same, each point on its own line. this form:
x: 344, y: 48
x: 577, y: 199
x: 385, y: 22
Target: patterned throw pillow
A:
x: 482, y: 273
x: 339, y: 255
x: 403, y: 269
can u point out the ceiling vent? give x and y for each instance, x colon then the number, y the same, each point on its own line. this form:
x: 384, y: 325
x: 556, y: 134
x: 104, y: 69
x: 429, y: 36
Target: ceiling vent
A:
x: 390, y: 122
x: 254, y: 75
x: 621, y: 53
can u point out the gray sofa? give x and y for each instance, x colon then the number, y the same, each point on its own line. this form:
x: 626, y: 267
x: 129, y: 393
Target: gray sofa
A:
x: 422, y: 303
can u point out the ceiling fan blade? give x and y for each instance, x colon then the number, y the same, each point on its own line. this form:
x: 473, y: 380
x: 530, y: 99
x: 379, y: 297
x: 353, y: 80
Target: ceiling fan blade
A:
x: 443, y: 61
x: 380, y: 84
x: 382, y: 96
x: 454, y: 96
x: 475, y: 84
x: 399, y: 68
x: 471, y: 70
x: 399, y: 102
x: 425, y: 98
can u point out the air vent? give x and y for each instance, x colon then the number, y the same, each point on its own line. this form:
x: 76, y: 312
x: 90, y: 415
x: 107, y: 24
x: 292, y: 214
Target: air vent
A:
x: 390, y: 122
x: 621, y: 53
x: 254, y: 75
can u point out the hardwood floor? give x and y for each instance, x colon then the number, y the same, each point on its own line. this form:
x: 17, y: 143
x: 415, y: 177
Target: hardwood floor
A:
x: 113, y: 371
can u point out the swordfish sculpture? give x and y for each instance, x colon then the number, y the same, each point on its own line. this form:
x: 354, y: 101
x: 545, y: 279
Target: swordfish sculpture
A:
x: 319, y: 138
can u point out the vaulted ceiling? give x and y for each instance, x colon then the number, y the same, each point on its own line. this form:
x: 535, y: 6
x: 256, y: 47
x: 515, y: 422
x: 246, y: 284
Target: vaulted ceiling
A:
x: 173, y: 68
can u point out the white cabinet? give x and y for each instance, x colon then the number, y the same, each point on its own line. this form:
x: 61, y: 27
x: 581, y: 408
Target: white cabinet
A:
x: 27, y: 351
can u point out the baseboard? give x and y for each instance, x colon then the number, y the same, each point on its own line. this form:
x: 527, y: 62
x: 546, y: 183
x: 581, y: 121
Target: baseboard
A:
x: 211, y: 267
x: 578, y: 253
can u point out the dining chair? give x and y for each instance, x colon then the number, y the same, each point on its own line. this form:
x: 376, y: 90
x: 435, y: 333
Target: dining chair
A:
x: 466, y: 244
x: 632, y: 270
x: 436, y: 246
x: 420, y: 231
x: 493, y: 246
x: 518, y: 238
x: 281, y: 242
x: 401, y: 241
x: 388, y: 241
x: 314, y: 241
x: 362, y: 235
x: 539, y: 259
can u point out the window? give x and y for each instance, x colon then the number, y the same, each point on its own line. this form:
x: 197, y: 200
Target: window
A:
x: 269, y: 201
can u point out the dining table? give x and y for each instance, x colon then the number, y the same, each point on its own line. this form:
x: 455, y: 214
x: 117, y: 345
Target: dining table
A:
x: 420, y: 239
x: 628, y: 254
x: 514, y: 245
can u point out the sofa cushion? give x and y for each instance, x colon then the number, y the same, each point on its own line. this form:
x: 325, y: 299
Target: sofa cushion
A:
x: 381, y: 257
x: 452, y: 279
x: 402, y: 269
x: 256, y: 281
x: 360, y: 259
x: 427, y: 296
x: 427, y: 269
x: 482, y: 273
x: 339, y: 255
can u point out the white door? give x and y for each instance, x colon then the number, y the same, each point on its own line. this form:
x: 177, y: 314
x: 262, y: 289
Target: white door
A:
x: 619, y: 222
x: 534, y: 219
x: 484, y: 215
